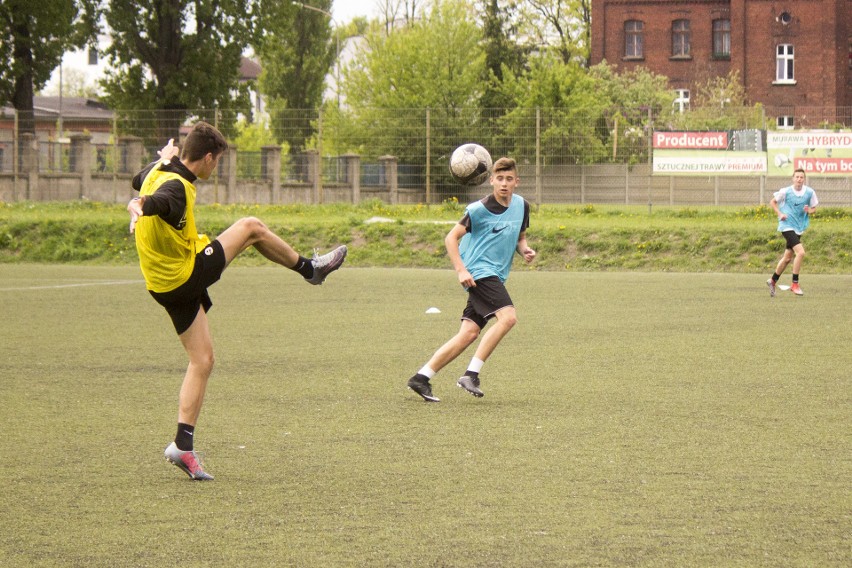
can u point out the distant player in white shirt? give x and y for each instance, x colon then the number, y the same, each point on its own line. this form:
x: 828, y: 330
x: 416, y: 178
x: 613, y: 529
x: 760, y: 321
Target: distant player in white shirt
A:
x: 793, y: 205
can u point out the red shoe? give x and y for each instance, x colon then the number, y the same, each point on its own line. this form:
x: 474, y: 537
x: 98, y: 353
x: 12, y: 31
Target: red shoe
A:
x: 796, y: 289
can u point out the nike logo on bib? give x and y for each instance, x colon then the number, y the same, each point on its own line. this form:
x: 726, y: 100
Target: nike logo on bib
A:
x: 497, y: 230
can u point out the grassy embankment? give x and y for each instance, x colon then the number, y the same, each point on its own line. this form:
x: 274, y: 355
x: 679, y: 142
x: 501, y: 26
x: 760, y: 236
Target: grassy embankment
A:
x: 576, y: 238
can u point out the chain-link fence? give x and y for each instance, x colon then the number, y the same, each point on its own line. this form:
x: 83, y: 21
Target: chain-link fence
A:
x: 565, y: 155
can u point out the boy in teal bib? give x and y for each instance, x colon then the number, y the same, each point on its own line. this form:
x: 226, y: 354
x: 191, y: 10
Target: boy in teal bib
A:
x: 481, y: 247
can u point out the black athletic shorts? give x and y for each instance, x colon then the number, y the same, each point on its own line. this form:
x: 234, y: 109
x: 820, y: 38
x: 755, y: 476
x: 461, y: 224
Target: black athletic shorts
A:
x: 485, y: 299
x: 792, y: 239
x: 183, y: 302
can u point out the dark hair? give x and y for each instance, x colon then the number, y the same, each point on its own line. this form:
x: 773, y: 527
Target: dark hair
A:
x: 204, y: 138
x: 799, y: 170
x: 504, y: 165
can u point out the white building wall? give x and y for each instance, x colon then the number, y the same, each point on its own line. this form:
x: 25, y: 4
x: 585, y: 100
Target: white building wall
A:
x: 78, y: 63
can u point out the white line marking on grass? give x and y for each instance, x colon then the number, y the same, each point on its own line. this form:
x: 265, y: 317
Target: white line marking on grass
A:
x: 78, y: 285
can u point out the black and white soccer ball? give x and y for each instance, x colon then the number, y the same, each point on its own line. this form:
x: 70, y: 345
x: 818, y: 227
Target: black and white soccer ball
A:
x: 470, y: 164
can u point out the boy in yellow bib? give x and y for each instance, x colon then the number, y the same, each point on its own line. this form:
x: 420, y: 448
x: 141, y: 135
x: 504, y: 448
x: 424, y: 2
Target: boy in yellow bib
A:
x: 179, y: 264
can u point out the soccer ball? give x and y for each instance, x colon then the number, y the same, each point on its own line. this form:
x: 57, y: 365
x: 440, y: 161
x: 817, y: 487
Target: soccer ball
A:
x: 470, y: 164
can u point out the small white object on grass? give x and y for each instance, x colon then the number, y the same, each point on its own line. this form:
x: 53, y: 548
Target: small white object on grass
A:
x: 378, y: 220
x: 433, y: 310
x: 783, y: 287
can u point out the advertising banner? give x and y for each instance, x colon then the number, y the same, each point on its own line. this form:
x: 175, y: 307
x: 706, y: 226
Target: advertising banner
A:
x: 723, y: 153
x: 819, y: 153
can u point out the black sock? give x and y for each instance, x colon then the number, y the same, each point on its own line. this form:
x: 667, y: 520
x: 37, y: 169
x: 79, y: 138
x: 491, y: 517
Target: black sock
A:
x: 183, y: 439
x: 775, y: 277
x: 420, y: 377
x: 795, y: 279
x: 305, y: 267
x: 471, y: 374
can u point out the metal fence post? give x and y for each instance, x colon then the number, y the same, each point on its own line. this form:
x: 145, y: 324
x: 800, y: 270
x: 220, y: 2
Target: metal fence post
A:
x: 538, y: 156
x: 115, y: 159
x: 428, y: 156
x: 649, y: 131
x: 216, y: 173
x: 319, y: 158
x: 15, y: 157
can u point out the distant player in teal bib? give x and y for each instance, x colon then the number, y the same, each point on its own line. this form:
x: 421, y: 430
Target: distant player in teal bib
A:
x: 481, y: 247
x: 793, y: 205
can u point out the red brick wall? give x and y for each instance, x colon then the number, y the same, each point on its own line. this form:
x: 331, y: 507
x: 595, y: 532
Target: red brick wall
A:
x: 812, y: 32
x: 608, y: 17
x: 819, y: 30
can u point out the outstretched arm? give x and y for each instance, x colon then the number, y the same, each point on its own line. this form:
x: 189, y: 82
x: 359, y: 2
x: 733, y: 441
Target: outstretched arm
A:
x: 169, y: 151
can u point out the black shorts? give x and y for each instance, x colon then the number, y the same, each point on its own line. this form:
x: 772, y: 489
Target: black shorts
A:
x: 183, y: 302
x: 485, y: 299
x: 792, y: 239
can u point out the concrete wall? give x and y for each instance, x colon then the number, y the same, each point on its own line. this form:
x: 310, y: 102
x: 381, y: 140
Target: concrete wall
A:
x: 596, y: 184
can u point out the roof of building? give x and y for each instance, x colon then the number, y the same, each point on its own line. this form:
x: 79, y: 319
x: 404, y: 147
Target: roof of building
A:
x: 48, y: 107
x: 249, y: 69
x: 71, y: 108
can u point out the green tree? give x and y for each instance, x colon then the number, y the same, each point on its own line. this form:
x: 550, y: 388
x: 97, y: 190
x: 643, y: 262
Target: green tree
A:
x: 177, y: 56
x: 631, y: 102
x: 435, y: 63
x: 568, y: 108
x: 35, y: 35
x: 501, y: 51
x: 719, y: 103
x: 598, y: 115
x: 252, y: 136
x: 564, y: 25
x: 297, y: 51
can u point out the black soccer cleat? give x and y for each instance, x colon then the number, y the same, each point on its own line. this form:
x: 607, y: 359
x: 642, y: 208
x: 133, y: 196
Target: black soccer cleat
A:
x: 420, y: 385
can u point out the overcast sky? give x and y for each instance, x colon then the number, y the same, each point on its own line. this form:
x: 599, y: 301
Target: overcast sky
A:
x: 344, y: 10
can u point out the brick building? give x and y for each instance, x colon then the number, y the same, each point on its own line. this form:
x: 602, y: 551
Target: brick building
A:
x: 793, y: 56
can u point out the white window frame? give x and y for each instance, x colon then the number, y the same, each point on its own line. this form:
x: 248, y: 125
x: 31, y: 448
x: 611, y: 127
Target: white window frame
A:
x: 681, y: 99
x: 785, y: 64
x: 785, y: 122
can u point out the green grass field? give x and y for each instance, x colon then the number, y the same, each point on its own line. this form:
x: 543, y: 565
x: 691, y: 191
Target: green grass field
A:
x: 631, y: 419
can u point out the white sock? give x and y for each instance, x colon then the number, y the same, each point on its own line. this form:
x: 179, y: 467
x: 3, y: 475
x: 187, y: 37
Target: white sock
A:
x: 426, y: 372
x: 475, y: 365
